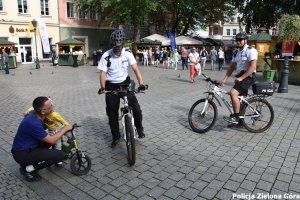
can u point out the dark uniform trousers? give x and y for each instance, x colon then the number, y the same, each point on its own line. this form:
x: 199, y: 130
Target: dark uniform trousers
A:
x: 112, y: 110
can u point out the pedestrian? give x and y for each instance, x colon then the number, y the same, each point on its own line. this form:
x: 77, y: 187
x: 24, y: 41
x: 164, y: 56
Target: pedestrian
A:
x: 156, y: 57
x: 203, y: 54
x: 245, y: 64
x: 175, y: 58
x: 213, y: 58
x: 145, y: 57
x: 184, y: 58
x: 165, y: 57
x: 221, y: 58
x: 5, y: 53
x: 31, y: 144
x: 112, y: 75
x: 194, y: 64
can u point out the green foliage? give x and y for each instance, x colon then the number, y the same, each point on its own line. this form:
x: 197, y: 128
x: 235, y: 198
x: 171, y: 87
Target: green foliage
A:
x: 289, y: 27
x: 272, y: 48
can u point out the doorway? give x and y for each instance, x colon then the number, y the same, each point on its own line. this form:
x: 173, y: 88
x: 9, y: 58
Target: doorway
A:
x: 25, y: 50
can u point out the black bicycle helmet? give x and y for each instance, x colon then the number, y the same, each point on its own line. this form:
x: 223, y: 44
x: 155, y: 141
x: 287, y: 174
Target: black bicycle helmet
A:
x: 241, y: 35
x: 117, y: 37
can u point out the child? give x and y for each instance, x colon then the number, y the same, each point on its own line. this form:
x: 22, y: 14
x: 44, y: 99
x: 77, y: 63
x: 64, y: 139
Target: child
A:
x: 54, y: 122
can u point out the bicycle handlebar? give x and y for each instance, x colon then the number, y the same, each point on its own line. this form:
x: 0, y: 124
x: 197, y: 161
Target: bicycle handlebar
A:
x: 75, y: 125
x: 127, y: 89
x: 208, y: 79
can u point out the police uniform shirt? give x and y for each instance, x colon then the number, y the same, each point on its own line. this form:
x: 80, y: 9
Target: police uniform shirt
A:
x: 116, y: 67
x: 243, y: 58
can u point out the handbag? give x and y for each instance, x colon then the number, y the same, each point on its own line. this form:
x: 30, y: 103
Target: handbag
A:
x: 197, y: 66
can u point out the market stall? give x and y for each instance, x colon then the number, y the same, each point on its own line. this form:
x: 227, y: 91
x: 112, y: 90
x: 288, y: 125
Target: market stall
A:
x: 10, y: 48
x: 70, y: 52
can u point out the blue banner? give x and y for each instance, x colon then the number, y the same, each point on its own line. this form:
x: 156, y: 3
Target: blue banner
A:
x: 172, y: 40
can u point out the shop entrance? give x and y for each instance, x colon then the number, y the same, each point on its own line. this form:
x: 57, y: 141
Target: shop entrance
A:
x: 25, y: 49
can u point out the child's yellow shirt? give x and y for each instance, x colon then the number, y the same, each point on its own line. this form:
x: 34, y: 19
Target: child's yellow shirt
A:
x: 53, y: 120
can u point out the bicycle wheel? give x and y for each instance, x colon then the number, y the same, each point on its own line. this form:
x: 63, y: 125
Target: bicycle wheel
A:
x: 80, y: 164
x: 202, y: 116
x: 251, y: 121
x: 130, y: 142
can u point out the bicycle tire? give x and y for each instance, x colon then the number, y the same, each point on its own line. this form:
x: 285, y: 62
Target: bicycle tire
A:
x: 80, y: 164
x: 254, y: 124
x: 130, y: 142
x: 195, y: 113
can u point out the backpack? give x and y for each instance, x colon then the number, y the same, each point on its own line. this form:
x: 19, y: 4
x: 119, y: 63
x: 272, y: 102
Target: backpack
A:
x: 203, y: 53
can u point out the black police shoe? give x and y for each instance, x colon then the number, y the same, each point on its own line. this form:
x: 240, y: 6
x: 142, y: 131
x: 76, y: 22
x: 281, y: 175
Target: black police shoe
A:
x: 114, y: 143
x: 141, y: 133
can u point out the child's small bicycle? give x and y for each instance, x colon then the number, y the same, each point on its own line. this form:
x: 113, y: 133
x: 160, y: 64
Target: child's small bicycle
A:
x: 80, y: 162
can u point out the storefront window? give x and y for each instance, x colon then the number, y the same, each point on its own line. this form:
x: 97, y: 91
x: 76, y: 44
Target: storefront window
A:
x: 45, y: 7
x: 22, y: 6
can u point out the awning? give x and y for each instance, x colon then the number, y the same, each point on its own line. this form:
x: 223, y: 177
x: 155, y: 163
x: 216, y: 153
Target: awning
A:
x: 6, y: 42
x: 185, y: 40
x: 260, y: 37
x: 148, y: 42
x: 156, y: 37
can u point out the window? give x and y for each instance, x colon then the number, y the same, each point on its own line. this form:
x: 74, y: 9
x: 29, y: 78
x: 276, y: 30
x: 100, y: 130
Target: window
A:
x: 45, y: 7
x: 82, y: 14
x: 92, y: 13
x: 22, y: 6
x: 227, y: 31
x: 234, y: 31
x: 1, y: 5
x: 70, y: 10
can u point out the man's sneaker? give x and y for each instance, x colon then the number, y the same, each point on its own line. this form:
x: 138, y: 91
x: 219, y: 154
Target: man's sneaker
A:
x: 232, y: 119
x: 30, y: 176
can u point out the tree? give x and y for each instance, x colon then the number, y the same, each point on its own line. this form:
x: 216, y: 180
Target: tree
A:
x: 264, y: 13
x: 133, y: 12
x: 289, y: 27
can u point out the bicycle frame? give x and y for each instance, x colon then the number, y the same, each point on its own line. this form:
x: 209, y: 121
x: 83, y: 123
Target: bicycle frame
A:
x: 218, y: 92
x: 126, y: 110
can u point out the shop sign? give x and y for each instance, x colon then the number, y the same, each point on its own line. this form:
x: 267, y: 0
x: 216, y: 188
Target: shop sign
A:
x: 19, y: 30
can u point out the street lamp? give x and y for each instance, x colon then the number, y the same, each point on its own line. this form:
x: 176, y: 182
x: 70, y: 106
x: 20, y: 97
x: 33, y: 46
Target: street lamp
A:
x: 37, y: 62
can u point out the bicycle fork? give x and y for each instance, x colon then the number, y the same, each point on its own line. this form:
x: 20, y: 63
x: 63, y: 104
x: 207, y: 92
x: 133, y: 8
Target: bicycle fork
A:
x: 129, y: 114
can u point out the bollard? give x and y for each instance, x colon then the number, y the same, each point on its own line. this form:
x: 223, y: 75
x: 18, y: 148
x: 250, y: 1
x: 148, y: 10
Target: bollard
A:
x: 284, y: 82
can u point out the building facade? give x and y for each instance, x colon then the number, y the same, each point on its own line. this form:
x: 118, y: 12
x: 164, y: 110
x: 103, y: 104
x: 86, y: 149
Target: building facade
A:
x: 84, y: 25
x: 15, y: 18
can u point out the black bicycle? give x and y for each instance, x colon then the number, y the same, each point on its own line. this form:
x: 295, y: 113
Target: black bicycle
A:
x: 256, y: 112
x: 129, y: 129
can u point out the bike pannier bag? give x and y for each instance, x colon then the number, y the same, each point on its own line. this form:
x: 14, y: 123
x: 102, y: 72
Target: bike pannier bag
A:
x: 265, y: 88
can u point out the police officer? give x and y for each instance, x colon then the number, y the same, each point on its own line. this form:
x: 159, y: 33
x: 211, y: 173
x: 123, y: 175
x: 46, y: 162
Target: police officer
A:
x: 113, y: 68
x: 244, y: 61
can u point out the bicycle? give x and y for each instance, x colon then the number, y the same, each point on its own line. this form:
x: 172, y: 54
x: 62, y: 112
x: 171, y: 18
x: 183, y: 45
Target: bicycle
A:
x: 80, y: 163
x: 129, y: 129
x: 254, y: 108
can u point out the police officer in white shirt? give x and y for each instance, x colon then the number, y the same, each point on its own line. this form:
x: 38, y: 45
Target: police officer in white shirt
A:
x: 113, y: 68
x: 244, y: 61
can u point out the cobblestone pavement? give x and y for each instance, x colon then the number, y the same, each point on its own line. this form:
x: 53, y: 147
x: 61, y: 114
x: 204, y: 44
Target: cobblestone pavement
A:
x: 173, y: 162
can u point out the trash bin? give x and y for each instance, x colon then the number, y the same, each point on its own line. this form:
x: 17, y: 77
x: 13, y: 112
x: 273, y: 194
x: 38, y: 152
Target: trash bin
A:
x: 12, y: 62
x: 269, y: 75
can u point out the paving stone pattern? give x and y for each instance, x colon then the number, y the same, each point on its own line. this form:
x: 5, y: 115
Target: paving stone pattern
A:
x: 173, y: 162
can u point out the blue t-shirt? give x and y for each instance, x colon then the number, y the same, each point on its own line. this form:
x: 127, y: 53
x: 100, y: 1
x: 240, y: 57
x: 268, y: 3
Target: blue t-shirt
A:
x: 30, y: 132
